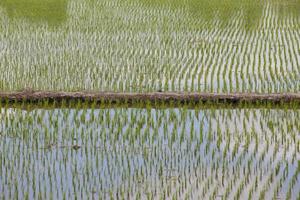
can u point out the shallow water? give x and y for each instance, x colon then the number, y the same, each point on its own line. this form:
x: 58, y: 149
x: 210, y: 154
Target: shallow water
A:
x: 139, y: 153
x: 131, y: 45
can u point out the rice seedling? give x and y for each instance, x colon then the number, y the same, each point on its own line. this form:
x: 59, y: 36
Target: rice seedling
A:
x: 149, y: 153
x: 142, y: 46
x: 107, y: 150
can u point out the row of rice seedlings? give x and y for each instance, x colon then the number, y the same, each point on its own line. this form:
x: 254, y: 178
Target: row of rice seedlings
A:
x: 135, y: 153
x: 132, y: 46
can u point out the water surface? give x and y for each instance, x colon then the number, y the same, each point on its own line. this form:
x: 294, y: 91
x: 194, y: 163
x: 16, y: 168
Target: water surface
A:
x: 138, y: 153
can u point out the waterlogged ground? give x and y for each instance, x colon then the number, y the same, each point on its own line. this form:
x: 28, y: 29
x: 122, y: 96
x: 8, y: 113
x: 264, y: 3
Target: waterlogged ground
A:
x: 150, y: 45
x: 140, y: 46
x: 134, y: 153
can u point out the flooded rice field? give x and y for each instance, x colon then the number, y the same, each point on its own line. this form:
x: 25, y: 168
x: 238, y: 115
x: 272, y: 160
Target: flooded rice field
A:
x: 147, y: 153
x: 146, y: 45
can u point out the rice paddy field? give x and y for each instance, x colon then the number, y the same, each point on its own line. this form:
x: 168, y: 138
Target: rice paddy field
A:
x: 150, y: 45
x: 84, y: 150
x: 147, y: 153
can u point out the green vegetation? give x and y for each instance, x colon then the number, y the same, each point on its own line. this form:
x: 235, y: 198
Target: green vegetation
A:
x: 131, y: 45
x: 51, y: 11
x: 145, y: 153
x: 149, y: 151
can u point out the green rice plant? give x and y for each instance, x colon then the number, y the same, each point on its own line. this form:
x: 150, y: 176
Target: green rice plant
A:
x: 168, y: 152
x: 202, y: 46
x: 77, y: 149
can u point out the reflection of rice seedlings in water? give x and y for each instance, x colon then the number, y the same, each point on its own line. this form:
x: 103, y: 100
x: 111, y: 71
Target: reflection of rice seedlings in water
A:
x: 239, y: 46
x: 166, y: 153
x: 7, y: 117
x: 151, y: 153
